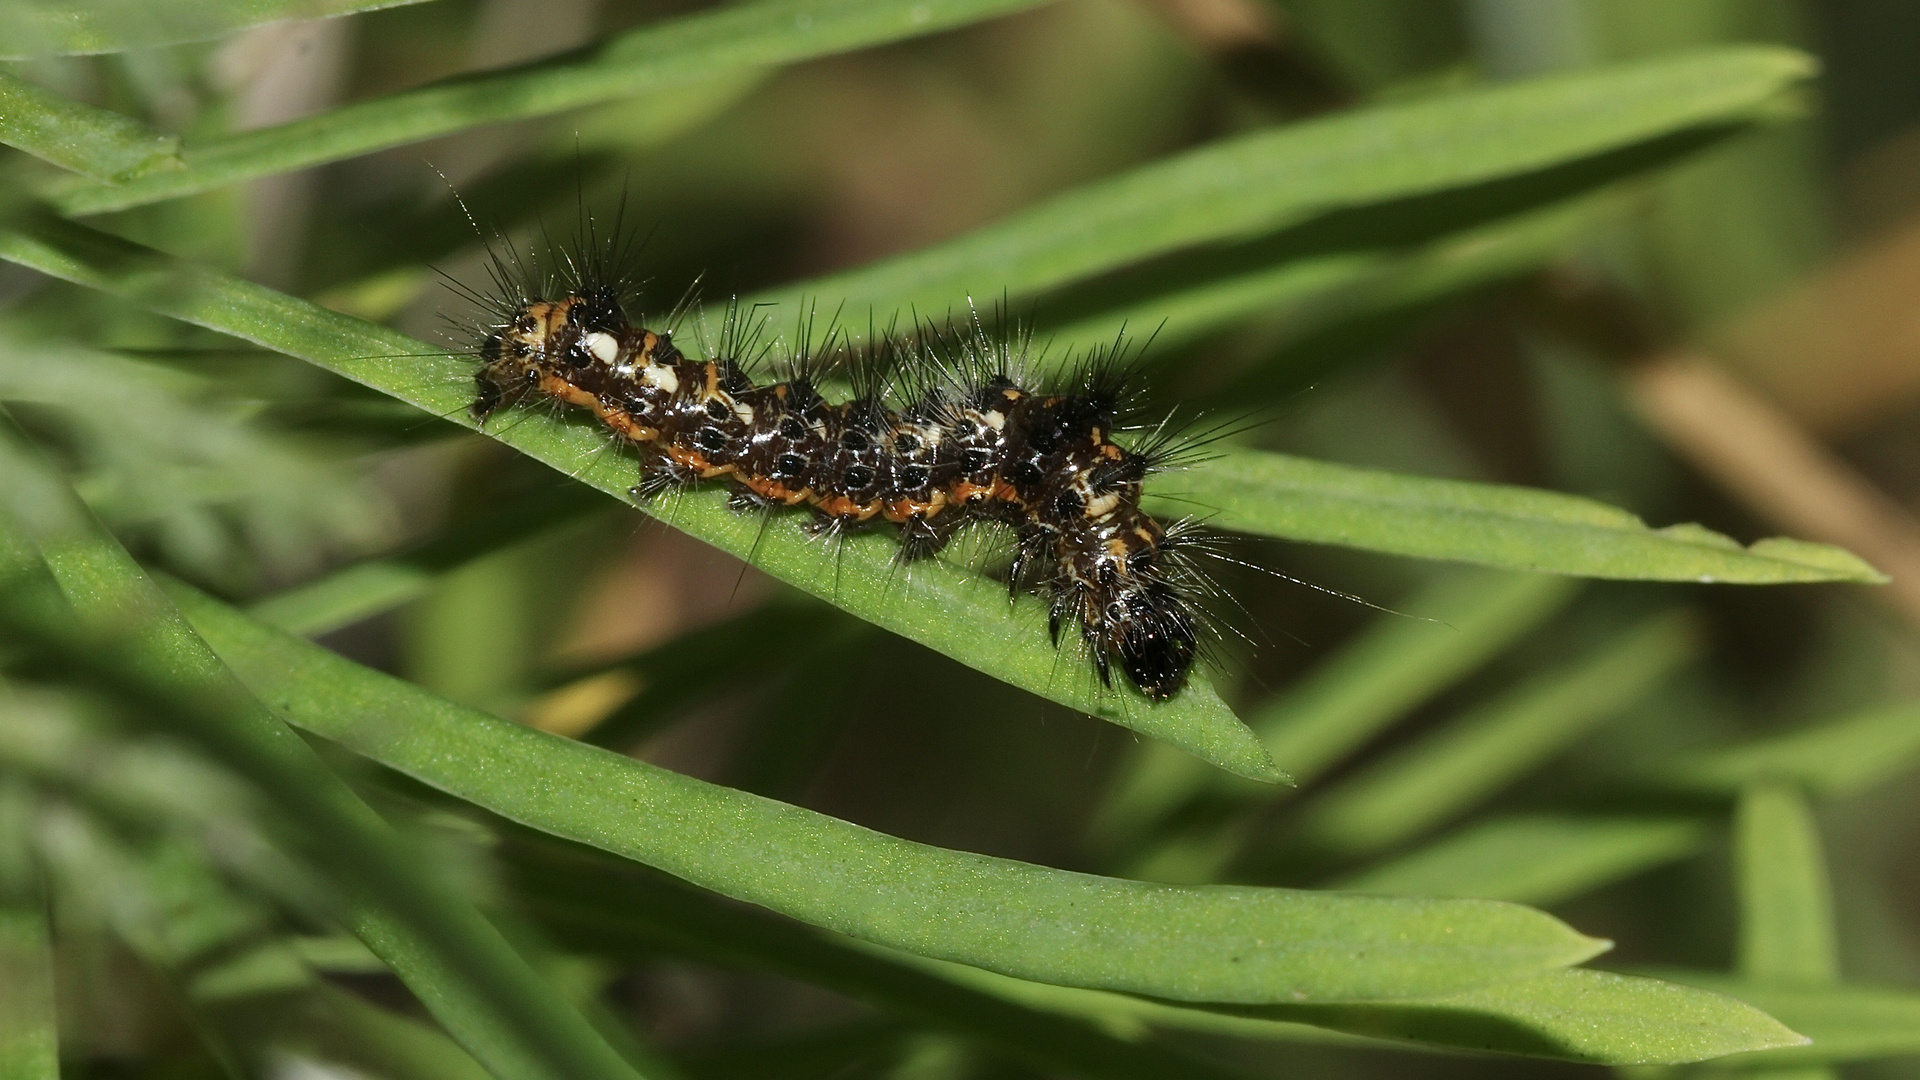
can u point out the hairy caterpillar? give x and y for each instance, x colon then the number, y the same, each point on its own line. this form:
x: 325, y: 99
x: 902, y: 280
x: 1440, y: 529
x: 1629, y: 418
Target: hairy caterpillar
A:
x: 949, y: 430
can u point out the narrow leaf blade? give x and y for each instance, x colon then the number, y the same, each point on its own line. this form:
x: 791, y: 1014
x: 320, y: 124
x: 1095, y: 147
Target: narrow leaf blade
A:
x: 708, y: 45
x: 1212, y: 943
x: 1786, y: 902
x: 63, y: 27
x: 1540, y: 859
x: 1449, y: 770
x: 1260, y: 182
x: 1517, y: 528
x: 1845, y: 1022
x: 93, y: 142
x: 1838, y: 757
x: 1573, y: 1015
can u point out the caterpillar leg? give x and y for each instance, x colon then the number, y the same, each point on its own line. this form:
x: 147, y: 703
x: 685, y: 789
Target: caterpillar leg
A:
x: 923, y: 538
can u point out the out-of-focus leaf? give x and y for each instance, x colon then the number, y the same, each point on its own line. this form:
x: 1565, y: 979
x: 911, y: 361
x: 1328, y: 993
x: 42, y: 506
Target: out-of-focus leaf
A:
x: 1217, y: 943
x: 59, y: 27
x: 1838, y: 757
x: 1447, y: 629
x: 1260, y: 182
x: 1539, y: 859
x: 1492, y: 524
x: 1476, y: 754
x: 710, y: 44
x: 70, y: 591
x: 190, y: 463
x: 675, y: 673
x: 953, y: 611
x: 93, y: 142
x: 29, y: 1040
x: 1303, y: 289
x: 367, y: 588
x: 1786, y: 904
x: 337, y: 1026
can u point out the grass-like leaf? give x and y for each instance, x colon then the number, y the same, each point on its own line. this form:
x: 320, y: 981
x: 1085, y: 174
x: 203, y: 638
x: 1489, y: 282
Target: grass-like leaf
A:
x: 211, y: 490
x: 1838, y: 757
x: 1256, y: 183
x: 1306, y: 288
x: 93, y: 142
x: 589, y: 903
x: 58, y: 27
x: 107, y: 623
x: 1207, y: 944
x: 1574, y: 1015
x: 946, y: 608
x: 1564, y: 1014
x: 1540, y: 859
x: 1491, y: 524
x: 710, y: 44
x: 1443, y: 773
x: 1447, y: 629
x: 29, y: 1041
x: 1845, y: 1021
x: 1786, y: 902
x: 367, y: 588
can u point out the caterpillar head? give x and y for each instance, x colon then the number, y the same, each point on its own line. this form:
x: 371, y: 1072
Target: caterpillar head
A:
x: 1131, y: 615
x: 1152, y: 631
x: 527, y: 335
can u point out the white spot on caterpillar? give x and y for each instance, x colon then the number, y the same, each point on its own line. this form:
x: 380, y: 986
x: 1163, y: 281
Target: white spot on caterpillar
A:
x: 1104, y: 505
x: 603, y: 347
x: 662, y: 376
x: 744, y: 412
x: 996, y: 420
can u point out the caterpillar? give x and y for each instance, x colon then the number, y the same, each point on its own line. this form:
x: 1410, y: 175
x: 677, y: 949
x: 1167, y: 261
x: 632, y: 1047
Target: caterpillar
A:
x: 948, y: 430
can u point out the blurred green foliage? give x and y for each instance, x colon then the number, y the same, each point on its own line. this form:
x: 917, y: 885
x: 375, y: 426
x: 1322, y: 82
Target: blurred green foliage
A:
x: 338, y: 740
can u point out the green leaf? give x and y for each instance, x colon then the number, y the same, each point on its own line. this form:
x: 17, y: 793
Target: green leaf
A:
x: 1302, y: 288
x: 1786, y: 903
x: 368, y: 588
x: 93, y: 142
x: 1592, y: 1016
x: 953, y: 611
x: 1258, y: 183
x: 1540, y: 859
x: 1839, y: 757
x: 1575, y: 1015
x: 1492, y: 524
x: 676, y: 673
x: 717, y: 43
x: 1846, y: 1022
x: 1476, y: 754
x: 586, y: 902
x: 346, y: 1028
x: 60, y: 27
x: 29, y: 1040
x: 1450, y: 627
x: 193, y: 464
x: 1212, y: 943
x: 111, y: 628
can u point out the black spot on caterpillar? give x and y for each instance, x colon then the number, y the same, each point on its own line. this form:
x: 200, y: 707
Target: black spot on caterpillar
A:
x: 946, y: 428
